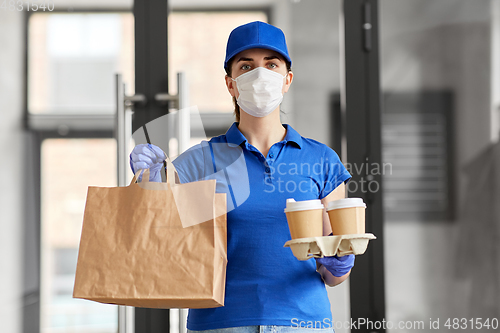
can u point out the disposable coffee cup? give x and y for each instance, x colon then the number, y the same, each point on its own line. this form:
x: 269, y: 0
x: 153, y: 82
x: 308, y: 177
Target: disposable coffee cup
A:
x: 305, y: 218
x: 347, y: 216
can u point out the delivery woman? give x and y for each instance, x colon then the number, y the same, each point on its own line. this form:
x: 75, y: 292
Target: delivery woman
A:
x: 267, y: 288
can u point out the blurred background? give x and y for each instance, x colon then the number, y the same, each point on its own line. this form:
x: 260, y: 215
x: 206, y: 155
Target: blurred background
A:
x: 439, y: 124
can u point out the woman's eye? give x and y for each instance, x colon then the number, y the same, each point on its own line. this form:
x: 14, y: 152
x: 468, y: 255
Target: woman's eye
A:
x: 273, y: 65
x: 245, y: 67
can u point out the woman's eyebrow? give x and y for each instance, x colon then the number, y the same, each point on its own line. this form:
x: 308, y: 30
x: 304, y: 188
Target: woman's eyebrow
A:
x: 271, y: 57
x: 265, y: 58
x: 244, y: 59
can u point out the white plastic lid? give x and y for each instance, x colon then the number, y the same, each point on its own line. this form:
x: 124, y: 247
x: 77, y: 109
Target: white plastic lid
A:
x: 294, y: 206
x: 346, y: 203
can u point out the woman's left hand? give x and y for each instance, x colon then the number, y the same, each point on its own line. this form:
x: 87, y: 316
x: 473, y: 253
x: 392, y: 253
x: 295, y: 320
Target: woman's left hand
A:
x: 147, y: 156
x: 338, y: 266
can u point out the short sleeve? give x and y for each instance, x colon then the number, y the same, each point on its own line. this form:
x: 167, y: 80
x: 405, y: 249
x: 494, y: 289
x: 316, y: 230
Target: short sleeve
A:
x: 190, y: 165
x: 334, y: 173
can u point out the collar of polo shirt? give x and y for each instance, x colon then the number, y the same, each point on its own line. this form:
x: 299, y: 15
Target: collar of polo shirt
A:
x: 235, y: 137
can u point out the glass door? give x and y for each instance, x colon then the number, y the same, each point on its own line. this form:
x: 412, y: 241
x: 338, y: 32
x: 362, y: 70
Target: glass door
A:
x: 68, y: 167
x: 72, y: 58
x: 439, y: 77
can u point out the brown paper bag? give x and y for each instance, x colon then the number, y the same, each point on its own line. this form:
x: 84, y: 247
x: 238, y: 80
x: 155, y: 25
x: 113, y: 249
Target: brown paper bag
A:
x: 136, y: 251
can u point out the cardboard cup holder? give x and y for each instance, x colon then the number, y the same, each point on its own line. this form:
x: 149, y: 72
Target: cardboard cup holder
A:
x: 326, y: 246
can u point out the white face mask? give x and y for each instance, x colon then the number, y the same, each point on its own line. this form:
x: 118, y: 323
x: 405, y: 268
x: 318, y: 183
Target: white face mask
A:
x: 260, y: 91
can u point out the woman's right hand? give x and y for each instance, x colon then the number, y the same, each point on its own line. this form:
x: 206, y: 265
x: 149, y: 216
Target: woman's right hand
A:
x: 147, y: 156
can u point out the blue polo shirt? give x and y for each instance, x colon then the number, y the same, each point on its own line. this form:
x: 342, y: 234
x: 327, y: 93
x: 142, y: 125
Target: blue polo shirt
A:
x: 265, y: 283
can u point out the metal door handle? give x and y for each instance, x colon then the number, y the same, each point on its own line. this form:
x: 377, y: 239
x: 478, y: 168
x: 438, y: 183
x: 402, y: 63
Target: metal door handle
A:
x: 123, y: 132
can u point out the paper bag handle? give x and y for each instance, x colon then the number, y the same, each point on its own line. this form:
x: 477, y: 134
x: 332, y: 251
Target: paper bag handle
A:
x: 145, y: 177
x: 170, y: 172
x: 136, y: 176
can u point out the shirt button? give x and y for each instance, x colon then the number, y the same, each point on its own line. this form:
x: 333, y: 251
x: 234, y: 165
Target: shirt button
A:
x: 268, y: 170
x: 271, y: 155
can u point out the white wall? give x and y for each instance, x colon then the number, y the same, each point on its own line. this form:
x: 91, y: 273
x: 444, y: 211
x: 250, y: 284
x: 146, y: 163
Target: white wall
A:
x: 314, y: 38
x: 11, y: 146
x: 495, y: 71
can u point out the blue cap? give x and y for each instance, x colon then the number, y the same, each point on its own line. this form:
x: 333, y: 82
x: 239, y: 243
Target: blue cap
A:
x: 256, y: 35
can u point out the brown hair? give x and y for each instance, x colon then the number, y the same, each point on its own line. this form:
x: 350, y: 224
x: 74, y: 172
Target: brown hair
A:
x: 228, y: 72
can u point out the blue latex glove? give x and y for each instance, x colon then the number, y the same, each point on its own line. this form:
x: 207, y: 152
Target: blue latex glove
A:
x: 338, y: 266
x: 147, y: 156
